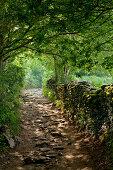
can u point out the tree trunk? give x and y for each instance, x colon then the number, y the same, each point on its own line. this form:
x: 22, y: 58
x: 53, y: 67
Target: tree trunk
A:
x: 56, y: 70
x: 66, y: 72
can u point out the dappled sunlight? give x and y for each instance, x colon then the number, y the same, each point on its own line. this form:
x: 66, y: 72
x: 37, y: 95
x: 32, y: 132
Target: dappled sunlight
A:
x: 17, y: 155
x: 77, y: 145
x: 69, y: 156
x: 86, y: 168
x: 47, y: 139
x: 66, y: 47
x: 38, y: 132
x: 20, y: 168
x: 79, y: 156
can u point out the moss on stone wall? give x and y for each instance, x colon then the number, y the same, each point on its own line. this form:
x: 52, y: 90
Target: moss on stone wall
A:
x: 86, y: 106
x: 89, y: 108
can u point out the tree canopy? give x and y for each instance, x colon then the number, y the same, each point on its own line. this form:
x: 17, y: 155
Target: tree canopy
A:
x: 78, y: 31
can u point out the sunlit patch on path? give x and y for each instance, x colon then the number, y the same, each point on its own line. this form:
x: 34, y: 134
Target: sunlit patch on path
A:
x: 47, y: 141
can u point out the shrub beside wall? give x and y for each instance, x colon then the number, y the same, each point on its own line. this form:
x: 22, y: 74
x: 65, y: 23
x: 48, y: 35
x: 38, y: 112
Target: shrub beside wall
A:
x: 49, y: 89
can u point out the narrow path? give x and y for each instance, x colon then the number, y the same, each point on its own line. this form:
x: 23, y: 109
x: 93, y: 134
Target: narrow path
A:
x: 46, y: 139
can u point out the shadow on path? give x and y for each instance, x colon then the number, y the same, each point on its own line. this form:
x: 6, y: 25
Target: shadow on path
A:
x: 46, y: 140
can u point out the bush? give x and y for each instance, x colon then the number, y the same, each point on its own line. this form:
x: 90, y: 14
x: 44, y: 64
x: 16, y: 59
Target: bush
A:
x: 11, y: 82
x: 2, y: 142
x: 49, y: 93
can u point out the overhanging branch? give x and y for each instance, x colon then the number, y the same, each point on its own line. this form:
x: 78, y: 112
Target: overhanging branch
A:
x: 43, y: 52
x: 18, y: 47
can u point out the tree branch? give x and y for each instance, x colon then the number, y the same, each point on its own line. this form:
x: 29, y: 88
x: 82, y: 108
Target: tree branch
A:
x: 44, y: 52
x: 17, y: 40
x: 18, y: 47
x: 66, y: 33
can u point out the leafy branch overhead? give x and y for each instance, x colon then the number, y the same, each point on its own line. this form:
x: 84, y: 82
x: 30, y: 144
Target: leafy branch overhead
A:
x: 78, y: 30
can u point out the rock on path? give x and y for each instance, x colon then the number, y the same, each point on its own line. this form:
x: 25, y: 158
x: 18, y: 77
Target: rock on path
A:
x: 46, y: 140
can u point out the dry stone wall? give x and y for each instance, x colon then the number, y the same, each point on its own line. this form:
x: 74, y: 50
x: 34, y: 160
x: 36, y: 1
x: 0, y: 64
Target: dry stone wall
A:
x: 88, y: 107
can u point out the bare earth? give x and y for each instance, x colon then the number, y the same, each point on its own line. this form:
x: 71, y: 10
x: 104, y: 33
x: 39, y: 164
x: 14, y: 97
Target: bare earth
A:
x: 47, y: 141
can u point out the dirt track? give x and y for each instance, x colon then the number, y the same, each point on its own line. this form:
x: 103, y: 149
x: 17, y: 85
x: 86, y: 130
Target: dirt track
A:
x: 46, y: 139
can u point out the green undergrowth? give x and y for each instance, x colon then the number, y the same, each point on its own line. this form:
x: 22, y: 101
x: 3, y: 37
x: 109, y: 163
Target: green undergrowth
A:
x: 97, y: 76
x: 11, y: 83
x: 2, y: 143
x: 58, y: 103
x: 49, y: 93
x: 96, y: 81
